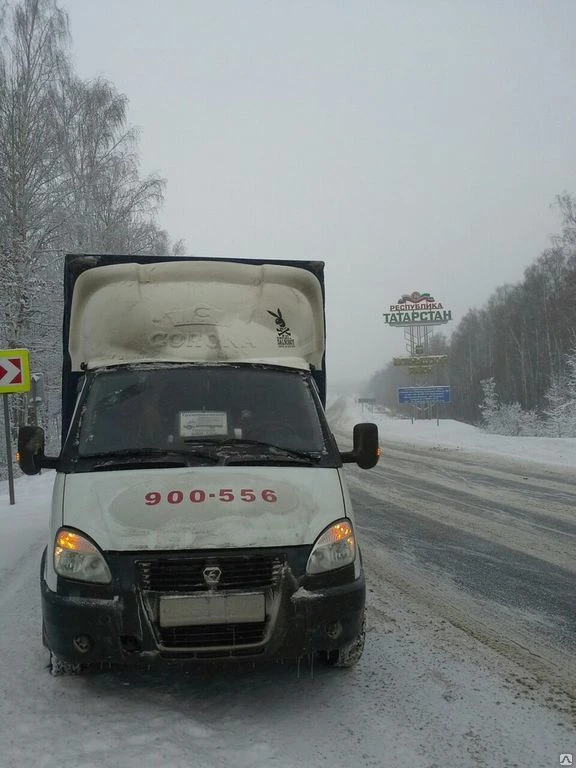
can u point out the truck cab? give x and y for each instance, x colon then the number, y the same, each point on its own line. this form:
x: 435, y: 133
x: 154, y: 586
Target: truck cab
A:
x: 199, y: 507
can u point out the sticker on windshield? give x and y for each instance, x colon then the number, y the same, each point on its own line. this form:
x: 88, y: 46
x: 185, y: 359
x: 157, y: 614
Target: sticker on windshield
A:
x: 202, y: 423
x: 284, y: 337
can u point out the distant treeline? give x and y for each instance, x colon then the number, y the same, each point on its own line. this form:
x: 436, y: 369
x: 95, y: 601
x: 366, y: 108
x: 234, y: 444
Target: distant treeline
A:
x: 520, y: 338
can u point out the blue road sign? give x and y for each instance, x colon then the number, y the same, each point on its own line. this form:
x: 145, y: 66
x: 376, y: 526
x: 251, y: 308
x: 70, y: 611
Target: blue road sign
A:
x: 423, y: 395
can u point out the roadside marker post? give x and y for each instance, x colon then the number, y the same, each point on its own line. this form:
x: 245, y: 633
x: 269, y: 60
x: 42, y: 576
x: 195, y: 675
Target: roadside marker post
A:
x: 14, y: 377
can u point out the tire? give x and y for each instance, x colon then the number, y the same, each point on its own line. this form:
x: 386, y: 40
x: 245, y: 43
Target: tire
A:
x: 59, y: 667
x: 350, y: 654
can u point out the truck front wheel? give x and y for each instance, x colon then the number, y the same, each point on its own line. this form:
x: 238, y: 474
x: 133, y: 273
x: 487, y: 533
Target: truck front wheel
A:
x: 59, y: 667
x: 350, y: 654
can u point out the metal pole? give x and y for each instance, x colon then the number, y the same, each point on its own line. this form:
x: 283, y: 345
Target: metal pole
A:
x: 9, y: 450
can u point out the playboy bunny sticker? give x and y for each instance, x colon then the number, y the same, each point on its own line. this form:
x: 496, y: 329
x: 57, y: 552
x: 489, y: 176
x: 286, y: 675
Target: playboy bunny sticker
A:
x: 284, y: 337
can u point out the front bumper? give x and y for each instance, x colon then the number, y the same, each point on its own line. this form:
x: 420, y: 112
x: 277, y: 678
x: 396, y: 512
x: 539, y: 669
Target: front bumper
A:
x: 120, y: 623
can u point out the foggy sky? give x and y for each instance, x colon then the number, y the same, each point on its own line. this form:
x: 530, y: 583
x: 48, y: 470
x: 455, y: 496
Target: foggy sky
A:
x: 409, y: 144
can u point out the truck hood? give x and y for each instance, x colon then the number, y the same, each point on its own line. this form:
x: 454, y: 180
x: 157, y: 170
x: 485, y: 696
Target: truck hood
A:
x: 177, y: 509
x: 197, y: 311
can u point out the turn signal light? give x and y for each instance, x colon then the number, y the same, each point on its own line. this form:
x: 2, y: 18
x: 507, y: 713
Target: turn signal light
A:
x: 77, y: 558
x: 341, y: 531
x: 72, y: 541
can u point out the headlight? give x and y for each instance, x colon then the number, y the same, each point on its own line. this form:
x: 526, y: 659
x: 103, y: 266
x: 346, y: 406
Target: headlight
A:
x: 77, y: 558
x: 334, y: 548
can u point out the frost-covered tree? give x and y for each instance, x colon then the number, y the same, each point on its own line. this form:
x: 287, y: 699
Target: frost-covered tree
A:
x: 558, y: 405
x: 109, y: 206
x: 490, y: 405
x: 506, y: 418
x: 515, y: 421
x: 560, y: 412
x: 32, y: 58
x: 69, y: 180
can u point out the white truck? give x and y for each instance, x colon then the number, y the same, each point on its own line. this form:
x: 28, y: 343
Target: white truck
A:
x: 199, y: 507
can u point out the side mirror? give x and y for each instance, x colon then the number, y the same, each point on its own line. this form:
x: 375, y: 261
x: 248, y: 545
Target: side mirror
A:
x: 366, y: 450
x: 31, y: 457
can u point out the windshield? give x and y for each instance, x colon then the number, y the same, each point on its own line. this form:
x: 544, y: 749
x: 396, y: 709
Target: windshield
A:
x: 178, y: 408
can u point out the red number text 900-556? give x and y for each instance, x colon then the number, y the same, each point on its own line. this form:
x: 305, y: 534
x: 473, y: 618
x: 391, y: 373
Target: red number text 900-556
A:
x: 199, y: 496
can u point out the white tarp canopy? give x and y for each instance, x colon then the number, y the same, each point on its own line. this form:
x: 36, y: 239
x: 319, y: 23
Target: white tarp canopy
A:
x: 197, y: 311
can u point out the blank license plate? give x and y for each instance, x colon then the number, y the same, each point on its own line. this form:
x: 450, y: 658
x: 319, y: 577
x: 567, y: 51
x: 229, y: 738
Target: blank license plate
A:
x: 189, y: 610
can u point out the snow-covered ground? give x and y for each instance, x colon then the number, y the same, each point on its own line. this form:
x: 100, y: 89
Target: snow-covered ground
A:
x: 344, y: 412
x: 424, y: 694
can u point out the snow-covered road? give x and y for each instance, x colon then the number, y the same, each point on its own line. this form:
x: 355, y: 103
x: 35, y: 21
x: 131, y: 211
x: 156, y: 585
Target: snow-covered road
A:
x: 488, y: 544
x: 425, y: 693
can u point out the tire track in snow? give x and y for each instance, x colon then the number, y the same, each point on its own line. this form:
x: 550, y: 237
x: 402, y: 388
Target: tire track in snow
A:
x: 15, y: 579
x: 515, y: 602
x: 504, y: 519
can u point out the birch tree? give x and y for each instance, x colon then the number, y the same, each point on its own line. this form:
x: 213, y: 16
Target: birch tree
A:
x: 108, y: 206
x: 34, y: 55
x: 69, y: 179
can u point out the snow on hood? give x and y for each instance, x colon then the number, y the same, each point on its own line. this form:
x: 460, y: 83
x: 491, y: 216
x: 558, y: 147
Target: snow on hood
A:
x: 197, y: 311
x: 291, y: 507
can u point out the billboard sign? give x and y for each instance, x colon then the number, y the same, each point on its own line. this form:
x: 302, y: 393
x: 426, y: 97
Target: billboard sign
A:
x: 421, y: 360
x: 423, y: 395
x: 417, y: 309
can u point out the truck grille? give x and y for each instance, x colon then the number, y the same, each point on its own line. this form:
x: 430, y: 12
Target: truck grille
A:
x: 212, y: 636
x: 186, y: 574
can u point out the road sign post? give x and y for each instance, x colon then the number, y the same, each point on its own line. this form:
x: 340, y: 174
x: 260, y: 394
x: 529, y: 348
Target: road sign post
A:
x: 14, y: 377
x: 368, y: 402
x: 8, y: 450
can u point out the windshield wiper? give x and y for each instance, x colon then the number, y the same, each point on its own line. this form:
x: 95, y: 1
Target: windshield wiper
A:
x: 272, y: 451
x: 134, y: 457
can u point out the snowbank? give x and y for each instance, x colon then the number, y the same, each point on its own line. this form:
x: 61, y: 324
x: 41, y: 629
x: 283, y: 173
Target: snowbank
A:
x: 344, y: 412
